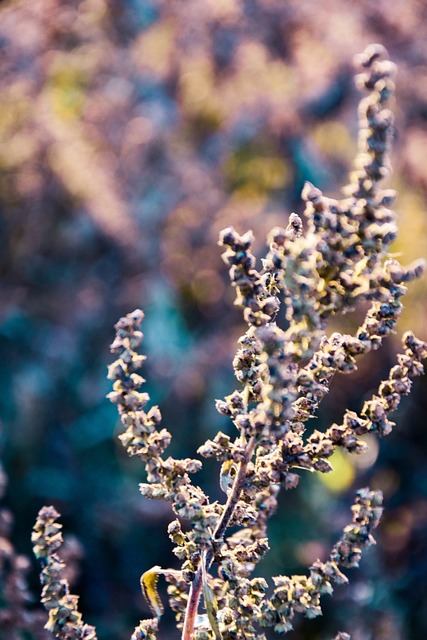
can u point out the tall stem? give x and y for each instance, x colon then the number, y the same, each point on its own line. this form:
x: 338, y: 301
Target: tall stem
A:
x: 223, y: 522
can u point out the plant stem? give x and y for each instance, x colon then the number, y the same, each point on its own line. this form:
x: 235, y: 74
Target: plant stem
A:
x: 233, y: 497
x: 223, y: 522
x: 192, y: 605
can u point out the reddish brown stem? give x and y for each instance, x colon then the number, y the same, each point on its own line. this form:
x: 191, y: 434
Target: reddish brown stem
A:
x: 223, y: 522
x: 192, y: 606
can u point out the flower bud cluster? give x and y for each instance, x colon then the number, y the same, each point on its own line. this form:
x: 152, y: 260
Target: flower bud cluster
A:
x: 259, y: 307
x: 336, y: 262
x: 244, y: 605
x: 376, y: 120
x: 374, y: 414
x: 168, y: 478
x: 146, y: 630
x: 141, y: 437
x: 16, y: 618
x: 283, y: 374
x: 301, y: 594
x: 337, y: 353
x: 367, y: 512
x: 178, y: 596
x: 373, y: 417
x: 65, y: 620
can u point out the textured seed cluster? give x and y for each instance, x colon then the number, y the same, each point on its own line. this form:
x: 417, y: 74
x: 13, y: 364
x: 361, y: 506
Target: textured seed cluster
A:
x: 318, y: 266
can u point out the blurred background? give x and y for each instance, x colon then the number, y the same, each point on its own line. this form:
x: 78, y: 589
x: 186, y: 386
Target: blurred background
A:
x: 131, y: 132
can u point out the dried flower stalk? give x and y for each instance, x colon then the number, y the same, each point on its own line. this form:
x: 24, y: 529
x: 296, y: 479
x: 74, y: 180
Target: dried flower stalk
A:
x: 338, y: 260
x: 17, y: 617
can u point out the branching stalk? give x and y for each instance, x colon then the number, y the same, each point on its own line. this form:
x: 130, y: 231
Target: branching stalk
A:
x: 223, y: 522
x: 340, y: 260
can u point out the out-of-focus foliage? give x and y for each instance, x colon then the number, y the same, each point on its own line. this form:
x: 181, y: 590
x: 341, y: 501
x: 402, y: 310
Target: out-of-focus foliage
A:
x: 130, y: 133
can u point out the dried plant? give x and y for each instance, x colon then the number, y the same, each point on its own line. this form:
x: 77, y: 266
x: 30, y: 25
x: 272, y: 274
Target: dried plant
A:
x: 18, y: 618
x: 337, y: 261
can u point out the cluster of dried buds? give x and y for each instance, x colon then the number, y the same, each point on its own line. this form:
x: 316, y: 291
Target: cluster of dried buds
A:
x: 17, y: 619
x: 316, y: 269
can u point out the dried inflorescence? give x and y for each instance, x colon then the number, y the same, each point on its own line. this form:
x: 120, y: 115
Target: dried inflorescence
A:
x: 338, y: 260
x: 17, y: 616
x: 65, y: 620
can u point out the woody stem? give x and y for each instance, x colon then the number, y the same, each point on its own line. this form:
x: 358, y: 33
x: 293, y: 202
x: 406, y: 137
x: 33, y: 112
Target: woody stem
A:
x: 223, y: 522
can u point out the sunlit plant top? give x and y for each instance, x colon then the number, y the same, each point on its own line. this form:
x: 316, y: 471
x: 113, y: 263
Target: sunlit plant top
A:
x: 317, y: 267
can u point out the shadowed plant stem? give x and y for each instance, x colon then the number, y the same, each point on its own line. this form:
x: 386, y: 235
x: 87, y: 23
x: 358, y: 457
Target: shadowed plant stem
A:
x: 223, y: 522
